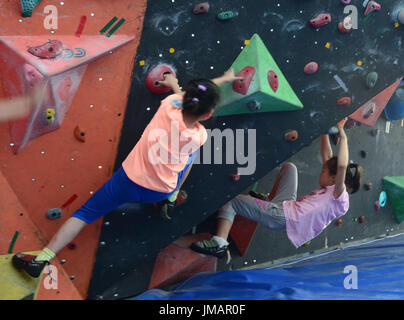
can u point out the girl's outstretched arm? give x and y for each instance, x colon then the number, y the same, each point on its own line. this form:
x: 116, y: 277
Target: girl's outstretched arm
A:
x: 343, y: 158
x: 228, y: 76
x: 326, y: 151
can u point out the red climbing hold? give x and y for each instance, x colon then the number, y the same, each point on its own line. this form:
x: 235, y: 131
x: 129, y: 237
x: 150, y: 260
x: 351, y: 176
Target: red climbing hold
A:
x: 342, y: 28
x: 235, y: 177
x: 372, y: 6
x: 291, y: 135
x: 80, y: 134
x: 361, y: 219
x: 273, y: 80
x: 339, y: 222
x: 156, y: 75
x: 71, y: 246
x: 311, y: 68
x: 321, y: 20
x: 48, y: 50
x: 242, y: 85
x: 201, y: 8
x: 344, y: 101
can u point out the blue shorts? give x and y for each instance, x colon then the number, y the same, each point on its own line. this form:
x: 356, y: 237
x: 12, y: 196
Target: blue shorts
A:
x: 119, y: 190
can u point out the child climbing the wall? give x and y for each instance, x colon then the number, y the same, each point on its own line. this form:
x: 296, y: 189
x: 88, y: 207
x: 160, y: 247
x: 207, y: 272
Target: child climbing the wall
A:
x: 304, y: 219
x: 155, y: 169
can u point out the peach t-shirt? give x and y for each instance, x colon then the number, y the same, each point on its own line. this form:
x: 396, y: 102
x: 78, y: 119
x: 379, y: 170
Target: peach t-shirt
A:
x: 164, y: 148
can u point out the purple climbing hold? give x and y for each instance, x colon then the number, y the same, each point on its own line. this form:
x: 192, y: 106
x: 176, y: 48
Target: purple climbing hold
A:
x: 346, y: 1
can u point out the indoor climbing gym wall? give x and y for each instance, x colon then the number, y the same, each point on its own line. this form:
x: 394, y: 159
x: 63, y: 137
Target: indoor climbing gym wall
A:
x: 303, y: 67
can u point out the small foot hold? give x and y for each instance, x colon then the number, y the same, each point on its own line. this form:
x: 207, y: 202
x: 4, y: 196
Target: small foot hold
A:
x: 80, y: 134
x: 344, y: 101
x: 48, y: 50
x: 291, y: 135
x: 361, y: 219
x: 311, y: 68
x: 374, y: 132
x: 235, y: 177
x: 54, y: 213
x: 226, y: 15
x: 49, y: 116
x: 368, y: 186
x: 321, y: 20
x: 339, y: 222
x: 273, y: 80
x: 201, y: 8
x: 371, y: 79
x: 364, y: 154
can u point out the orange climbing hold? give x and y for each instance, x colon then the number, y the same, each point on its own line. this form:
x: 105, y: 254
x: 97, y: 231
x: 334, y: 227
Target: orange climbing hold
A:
x: 80, y: 134
x: 291, y: 135
x: 344, y: 101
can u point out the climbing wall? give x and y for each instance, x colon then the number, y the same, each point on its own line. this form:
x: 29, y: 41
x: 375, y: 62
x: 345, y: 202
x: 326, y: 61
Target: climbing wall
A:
x: 203, y: 45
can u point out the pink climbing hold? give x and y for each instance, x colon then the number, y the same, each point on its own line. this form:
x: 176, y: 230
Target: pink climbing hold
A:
x: 235, y: 177
x: 242, y: 85
x: 48, y: 50
x: 32, y: 75
x: 321, y: 20
x: 64, y: 89
x: 346, y: 1
x: 156, y: 75
x: 201, y: 8
x: 311, y: 68
x: 344, y: 101
x: 377, y: 205
x: 369, y: 110
x: 273, y: 80
x: 372, y: 6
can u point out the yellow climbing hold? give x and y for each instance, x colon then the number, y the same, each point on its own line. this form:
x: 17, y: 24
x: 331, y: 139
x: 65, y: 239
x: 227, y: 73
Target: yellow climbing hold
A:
x: 172, y: 50
x: 359, y: 63
x: 396, y: 24
x: 142, y: 62
x: 246, y: 42
x: 328, y: 45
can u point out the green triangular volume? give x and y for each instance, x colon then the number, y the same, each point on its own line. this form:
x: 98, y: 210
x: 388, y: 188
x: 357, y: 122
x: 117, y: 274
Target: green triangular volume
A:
x: 256, y: 55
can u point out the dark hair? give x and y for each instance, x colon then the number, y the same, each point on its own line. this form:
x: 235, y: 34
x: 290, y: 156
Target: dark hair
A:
x: 353, y: 177
x: 201, y: 96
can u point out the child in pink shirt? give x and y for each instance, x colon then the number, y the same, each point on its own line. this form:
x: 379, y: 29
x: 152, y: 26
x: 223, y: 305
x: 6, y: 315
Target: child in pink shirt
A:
x: 304, y: 219
x: 155, y: 169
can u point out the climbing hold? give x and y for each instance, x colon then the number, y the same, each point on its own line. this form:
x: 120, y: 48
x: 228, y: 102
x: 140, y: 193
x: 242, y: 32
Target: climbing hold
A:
x: 235, y: 177
x: 27, y: 6
x: 48, y: 116
x: 344, y: 101
x: 242, y: 85
x: 48, y: 50
x: 156, y: 75
x: 71, y: 246
x: 226, y: 15
x: 321, y: 20
x: 54, y: 213
x: 383, y: 198
x: 374, y: 132
x: 368, y: 110
x: 339, y: 222
x: 182, y: 196
x: 311, y: 68
x: 80, y: 134
x: 335, y: 138
x: 254, y: 105
x: 32, y: 75
x: 307, y: 243
x: 372, y: 6
x: 350, y: 123
x: 342, y: 28
x: 363, y: 153
x: 361, y: 219
x: 333, y: 130
x: 291, y: 135
x: 346, y: 1
x: 400, y: 16
x: 377, y: 205
x: 371, y: 79
x: 201, y: 8
x: 368, y: 186
x: 273, y: 80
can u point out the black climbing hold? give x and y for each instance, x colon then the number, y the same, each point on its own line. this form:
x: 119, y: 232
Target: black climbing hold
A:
x: 363, y: 153
x: 368, y: 186
x: 254, y: 105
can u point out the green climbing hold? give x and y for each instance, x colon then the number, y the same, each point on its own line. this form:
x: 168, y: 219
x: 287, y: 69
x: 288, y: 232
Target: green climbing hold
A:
x: 371, y: 79
x: 27, y: 6
x: 226, y: 15
x: 394, y: 187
